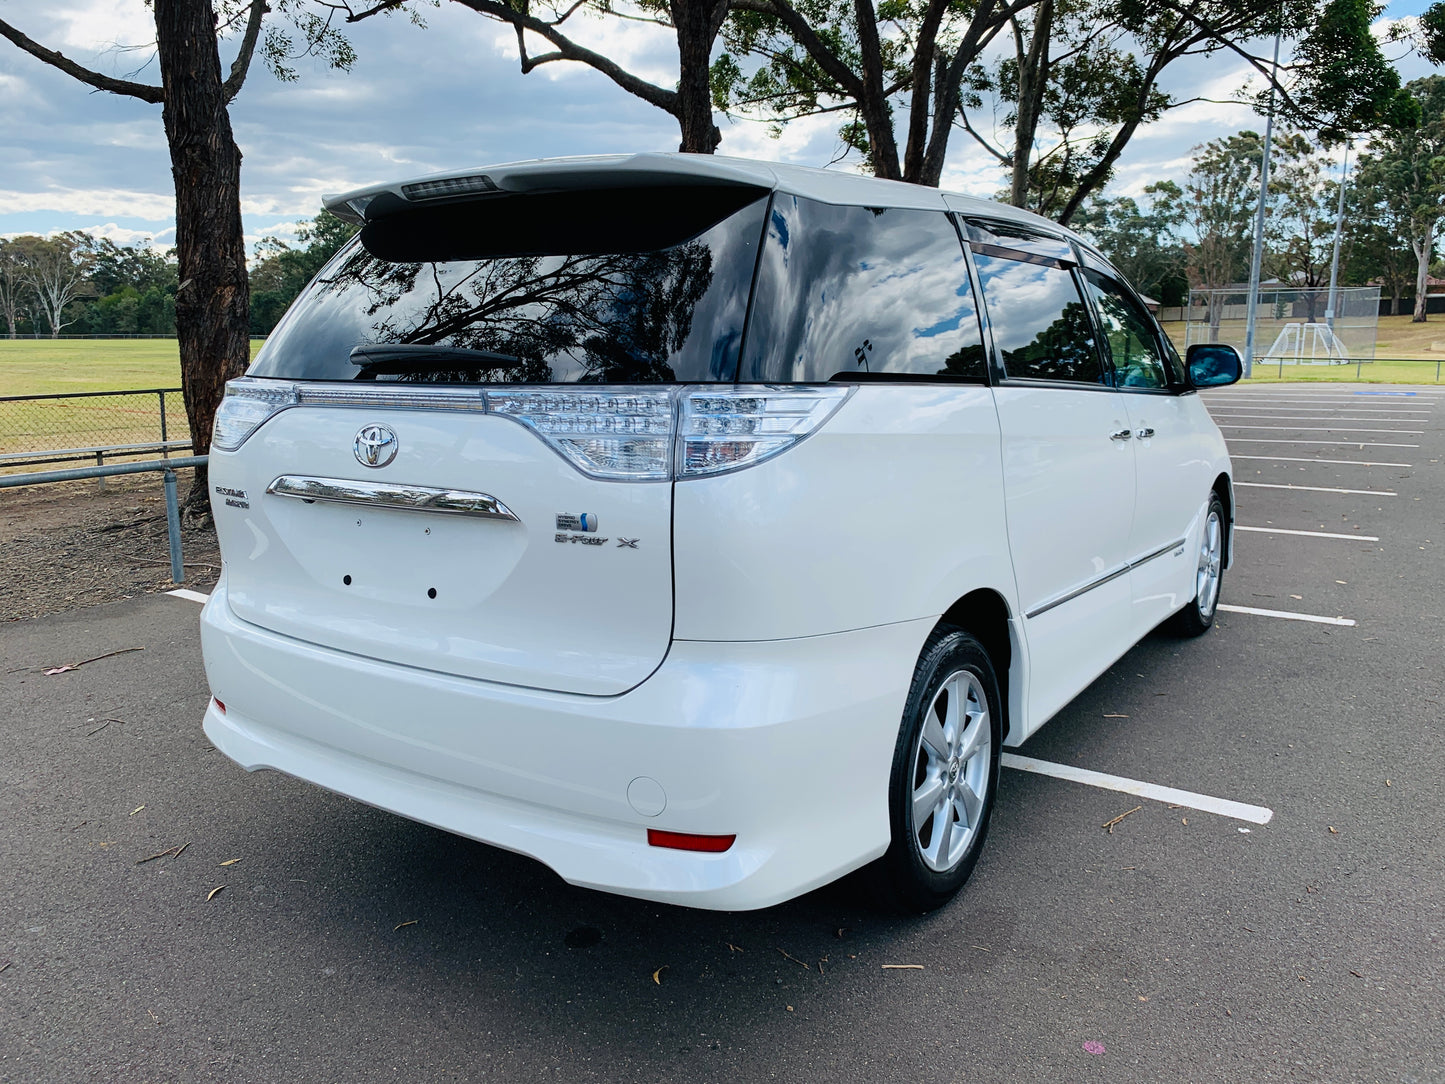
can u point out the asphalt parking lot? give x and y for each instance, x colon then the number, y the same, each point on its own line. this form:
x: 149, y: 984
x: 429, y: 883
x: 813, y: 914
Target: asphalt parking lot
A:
x: 1182, y: 945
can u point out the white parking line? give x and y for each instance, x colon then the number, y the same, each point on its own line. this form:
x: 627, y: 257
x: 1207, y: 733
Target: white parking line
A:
x: 1287, y: 615
x: 1324, y: 429
x: 187, y: 593
x: 1307, y: 534
x: 1276, y: 416
x: 1319, y: 489
x: 1336, y: 443
x: 1223, y: 807
x: 1307, y: 459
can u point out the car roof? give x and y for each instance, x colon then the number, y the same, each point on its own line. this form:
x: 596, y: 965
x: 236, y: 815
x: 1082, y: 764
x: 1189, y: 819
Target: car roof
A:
x: 632, y: 170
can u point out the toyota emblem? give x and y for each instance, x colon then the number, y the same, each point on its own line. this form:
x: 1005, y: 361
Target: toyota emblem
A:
x: 376, y: 446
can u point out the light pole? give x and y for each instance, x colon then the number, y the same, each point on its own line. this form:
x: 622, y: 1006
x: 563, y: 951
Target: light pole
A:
x: 1257, y: 257
x: 1339, y: 228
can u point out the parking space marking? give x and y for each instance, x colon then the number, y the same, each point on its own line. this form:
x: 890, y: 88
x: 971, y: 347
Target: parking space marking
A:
x: 1319, y: 489
x: 1222, y: 807
x: 1274, y: 416
x: 1336, y: 443
x: 1324, y: 429
x: 1307, y: 534
x: 1307, y: 459
x: 1288, y: 615
x: 193, y: 596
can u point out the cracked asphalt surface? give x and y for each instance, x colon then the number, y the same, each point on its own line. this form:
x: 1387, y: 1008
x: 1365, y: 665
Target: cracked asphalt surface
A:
x: 351, y: 945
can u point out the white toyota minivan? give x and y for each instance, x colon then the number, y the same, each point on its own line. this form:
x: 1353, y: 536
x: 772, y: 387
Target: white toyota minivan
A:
x: 701, y: 528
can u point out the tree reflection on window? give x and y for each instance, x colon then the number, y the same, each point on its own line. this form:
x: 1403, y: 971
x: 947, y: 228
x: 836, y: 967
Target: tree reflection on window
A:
x: 1040, y: 323
x: 1062, y: 350
x: 616, y: 318
x: 1136, y: 358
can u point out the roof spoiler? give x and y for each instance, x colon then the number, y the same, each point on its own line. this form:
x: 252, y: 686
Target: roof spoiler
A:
x: 367, y: 204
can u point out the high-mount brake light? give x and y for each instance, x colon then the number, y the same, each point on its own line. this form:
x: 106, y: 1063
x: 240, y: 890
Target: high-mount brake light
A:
x: 449, y: 186
x: 689, y: 841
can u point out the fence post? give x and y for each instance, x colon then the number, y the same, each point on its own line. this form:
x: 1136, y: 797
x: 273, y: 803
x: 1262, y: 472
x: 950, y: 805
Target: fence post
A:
x: 173, y: 528
x: 165, y: 452
x: 1358, y: 363
x: 100, y: 462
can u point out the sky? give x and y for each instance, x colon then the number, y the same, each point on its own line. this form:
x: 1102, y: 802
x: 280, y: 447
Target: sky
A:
x: 420, y: 100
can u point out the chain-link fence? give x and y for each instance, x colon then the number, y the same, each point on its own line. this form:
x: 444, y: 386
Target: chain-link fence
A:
x: 1291, y: 325
x: 38, y: 429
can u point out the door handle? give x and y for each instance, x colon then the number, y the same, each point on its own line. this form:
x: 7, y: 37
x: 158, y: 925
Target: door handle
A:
x: 1120, y: 434
x: 1145, y: 433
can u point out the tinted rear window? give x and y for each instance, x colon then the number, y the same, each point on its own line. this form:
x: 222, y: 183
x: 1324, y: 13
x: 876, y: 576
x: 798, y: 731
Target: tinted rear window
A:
x: 620, y: 286
x: 1040, y: 325
x: 862, y: 293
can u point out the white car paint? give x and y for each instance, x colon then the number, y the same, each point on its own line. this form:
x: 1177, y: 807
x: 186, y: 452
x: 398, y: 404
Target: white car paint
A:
x: 743, y: 670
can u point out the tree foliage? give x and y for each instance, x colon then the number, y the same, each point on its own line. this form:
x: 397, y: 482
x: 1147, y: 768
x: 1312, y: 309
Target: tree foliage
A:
x: 280, y: 272
x: 1405, y: 170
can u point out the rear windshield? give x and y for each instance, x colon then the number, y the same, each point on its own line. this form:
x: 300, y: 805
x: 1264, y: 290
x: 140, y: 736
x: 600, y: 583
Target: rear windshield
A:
x: 624, y: 286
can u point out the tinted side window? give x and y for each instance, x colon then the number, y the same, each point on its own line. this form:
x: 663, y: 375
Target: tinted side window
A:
x: 861, y: 293
x: 1040, y: 325
x: 1129, y: 334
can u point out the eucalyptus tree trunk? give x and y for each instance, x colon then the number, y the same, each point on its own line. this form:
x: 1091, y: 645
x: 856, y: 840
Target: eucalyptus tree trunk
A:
x: 213, y: 299
x: 697, y: 23
x: 1421, y: 247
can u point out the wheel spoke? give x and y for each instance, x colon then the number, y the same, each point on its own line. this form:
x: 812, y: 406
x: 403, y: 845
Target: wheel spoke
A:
x: 977, y: 735
x: 937, y: 852
x: 934, y: 739
x: 953, y: 699
x: 969, y: 802
x: 926, y: 800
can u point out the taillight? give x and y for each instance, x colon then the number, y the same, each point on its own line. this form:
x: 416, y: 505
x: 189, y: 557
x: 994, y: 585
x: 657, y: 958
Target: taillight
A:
x: 640, y: 434
x: 689, y: 841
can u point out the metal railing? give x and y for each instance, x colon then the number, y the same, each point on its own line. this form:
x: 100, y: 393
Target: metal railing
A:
x: 166, y: 466
x: 38, y: 429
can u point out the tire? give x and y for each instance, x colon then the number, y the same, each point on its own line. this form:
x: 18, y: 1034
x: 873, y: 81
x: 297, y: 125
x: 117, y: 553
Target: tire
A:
x: 1196, y: 618
x: 945, y: 765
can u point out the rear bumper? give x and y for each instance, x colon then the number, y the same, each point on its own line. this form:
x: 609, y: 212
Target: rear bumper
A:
x: 787, y: 744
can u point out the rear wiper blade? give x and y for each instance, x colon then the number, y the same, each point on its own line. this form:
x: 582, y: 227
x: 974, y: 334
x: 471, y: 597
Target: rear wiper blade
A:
x: 410, y: 357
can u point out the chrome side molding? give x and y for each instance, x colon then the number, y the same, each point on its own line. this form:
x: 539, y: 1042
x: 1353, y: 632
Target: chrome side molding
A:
x: 453, y: 502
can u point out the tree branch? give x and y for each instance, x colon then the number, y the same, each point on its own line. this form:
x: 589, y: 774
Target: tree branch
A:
x: 144, y: 91
x: 804, y: 34
x: 666, y: 100
x: 242, y: 64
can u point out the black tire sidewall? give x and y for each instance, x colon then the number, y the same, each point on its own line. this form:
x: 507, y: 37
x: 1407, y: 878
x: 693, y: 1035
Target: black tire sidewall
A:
x: 907, y: 881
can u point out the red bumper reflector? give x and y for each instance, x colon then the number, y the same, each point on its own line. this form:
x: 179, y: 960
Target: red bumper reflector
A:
x: 687, y: 841
x: 219, y: 706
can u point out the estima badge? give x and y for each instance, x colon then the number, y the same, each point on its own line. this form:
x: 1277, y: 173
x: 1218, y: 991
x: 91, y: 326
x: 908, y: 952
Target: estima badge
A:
x: 375, y: 445
x: 584, y: 522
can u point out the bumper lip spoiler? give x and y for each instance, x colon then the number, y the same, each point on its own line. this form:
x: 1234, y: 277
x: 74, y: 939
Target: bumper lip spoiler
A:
x: 406, y: 498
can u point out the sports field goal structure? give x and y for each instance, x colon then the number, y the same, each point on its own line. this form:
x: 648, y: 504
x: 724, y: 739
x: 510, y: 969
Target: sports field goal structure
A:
x: 1290, y: 323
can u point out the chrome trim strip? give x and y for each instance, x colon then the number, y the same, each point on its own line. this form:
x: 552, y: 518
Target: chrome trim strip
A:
x: 406, y: 498
x: 1071, y: 595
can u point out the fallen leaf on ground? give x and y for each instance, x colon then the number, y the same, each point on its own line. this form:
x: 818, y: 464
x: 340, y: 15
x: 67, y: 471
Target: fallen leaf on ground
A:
x: 136, y: 810
x: 212, y: 893
x: 408, y: 922
x: 5, y: 966
x: 795, y: 960
x: 732, y: 947
x: 657, y: 975
x: 1114, y: 715
x: 1092, y: 1047
x: 902, y: 967
x: 230, y: 861
x: 1333, y: 830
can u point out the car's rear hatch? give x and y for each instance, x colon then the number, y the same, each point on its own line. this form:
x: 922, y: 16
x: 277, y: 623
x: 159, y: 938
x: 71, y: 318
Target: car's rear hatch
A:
x: 463, y: 462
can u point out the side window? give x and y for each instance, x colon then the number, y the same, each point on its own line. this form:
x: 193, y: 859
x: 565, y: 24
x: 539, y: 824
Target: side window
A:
x: 1129, y: 333
x: 1040, y: 325
x: 861, y: 293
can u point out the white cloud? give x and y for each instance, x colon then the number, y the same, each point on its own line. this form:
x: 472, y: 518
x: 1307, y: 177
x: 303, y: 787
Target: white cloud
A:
x: 155, y: 206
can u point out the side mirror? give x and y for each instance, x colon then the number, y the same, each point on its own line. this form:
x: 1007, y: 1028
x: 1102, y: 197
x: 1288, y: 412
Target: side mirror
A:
x: 1213, y: 365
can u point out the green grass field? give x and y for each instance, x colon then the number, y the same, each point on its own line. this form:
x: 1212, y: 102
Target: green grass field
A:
x: 54, y: 366
x: 57, y: 366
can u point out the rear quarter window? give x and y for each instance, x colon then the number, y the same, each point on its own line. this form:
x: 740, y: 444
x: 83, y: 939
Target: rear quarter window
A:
x: 861, y: 293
